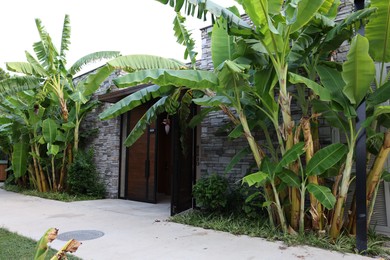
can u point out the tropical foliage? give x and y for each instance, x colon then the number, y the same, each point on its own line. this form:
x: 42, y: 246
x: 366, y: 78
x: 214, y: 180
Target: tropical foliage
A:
x: 41, y: 110
x: 261, y: 70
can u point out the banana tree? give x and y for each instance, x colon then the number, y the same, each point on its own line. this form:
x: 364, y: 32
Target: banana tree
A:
x: 46, y: 74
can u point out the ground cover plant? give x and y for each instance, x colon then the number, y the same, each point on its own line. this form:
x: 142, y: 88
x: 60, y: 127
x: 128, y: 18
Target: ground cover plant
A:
x: 52, y: 195
x: 261, y: 69
x: 14, y: 246
x: 238, y: 224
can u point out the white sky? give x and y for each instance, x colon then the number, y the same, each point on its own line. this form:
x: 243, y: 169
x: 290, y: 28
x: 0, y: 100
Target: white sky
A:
x: 128, y: 26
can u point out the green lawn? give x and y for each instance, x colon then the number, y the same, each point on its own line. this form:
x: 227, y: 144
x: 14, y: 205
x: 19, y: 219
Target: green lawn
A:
x: 14, y: 246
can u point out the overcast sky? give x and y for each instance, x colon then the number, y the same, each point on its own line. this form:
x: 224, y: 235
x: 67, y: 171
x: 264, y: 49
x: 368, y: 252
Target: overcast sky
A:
x: 128, y: 26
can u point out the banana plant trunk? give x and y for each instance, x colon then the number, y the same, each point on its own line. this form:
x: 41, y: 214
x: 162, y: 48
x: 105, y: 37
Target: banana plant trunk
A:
x: 315, y: 206
x: 287, y: 132
x: 338, y: 213
x: 375, y: 173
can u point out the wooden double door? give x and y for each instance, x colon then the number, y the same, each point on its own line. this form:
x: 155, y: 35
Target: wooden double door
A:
x: 156, y: 167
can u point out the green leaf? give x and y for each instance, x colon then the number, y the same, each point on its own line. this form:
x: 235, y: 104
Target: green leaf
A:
x: 322, y: 92
x: 275, y: 6
x: 256, y: 178
x: 380, y: 110
x: 306, y: 11
x: 134, y: 100
x: 212, y: 101
x: 65, y: 39
x: 183, y: 37
x: 333, y: 118
x: 386, y: 176
x: 322, y: 194
x: 150, y: 116
x: 90, y: 58
x: 198, y: 118
x: 52, y: 149
x: 378, y: 31
x: 19, y: 159
x: 222, y: 44
x: 194, y: 79
x: 358, y: 70
x: 132, y: 63
x: 332, y: 80
x: 93, y: 81
x: 290, y: 178
x: 17, y: 84
x: 78, y: 97
x: 325, y: 159
x: 257, y: 10
x: 380, y: 95
x: 236, y: 158
x: 49, y: 130
x: 344, y: 30
x: 290, y: 156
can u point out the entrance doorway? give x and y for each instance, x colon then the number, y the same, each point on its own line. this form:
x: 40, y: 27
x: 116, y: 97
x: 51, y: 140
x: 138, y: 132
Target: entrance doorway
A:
x: 155, y: 168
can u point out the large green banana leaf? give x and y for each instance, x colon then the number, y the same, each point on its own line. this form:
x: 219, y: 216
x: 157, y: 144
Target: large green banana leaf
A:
x: 325, y: 159
x: 323, y: 93
x: 132, y: 63
x: 305, y: 12
x: 222, y: 44
x: 380, y: 95
x: 290, y: 178
x: 65, y: 38
x: 290, y: 156
x: 256, y: 178
x: 358, y: 70
x: 184, y: 38
x: 344, y: 30
x: 194, y: 79
x: 200, y: 8
x: 19, y: 158
x: 150, y: 115
x: 93, y: 81
x: 323, y: 195
x: 134, y: 100
x: 92, y: 57
x: 378, y: 31
x: 49, y: 130
x: 16, y: 84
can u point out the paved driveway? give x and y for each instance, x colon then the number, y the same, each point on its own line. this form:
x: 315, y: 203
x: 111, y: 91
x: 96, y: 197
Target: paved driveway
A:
x: 134, y: 230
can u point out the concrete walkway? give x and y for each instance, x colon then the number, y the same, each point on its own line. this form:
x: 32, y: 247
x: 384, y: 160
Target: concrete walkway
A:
x: 136, y: 230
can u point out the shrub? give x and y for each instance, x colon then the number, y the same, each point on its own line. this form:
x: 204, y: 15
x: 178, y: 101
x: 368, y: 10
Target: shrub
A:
x: 211, y: 193
x: 83, y: 178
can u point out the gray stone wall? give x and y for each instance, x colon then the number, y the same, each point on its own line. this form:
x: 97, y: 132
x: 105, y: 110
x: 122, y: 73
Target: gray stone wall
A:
x: 105, y: 142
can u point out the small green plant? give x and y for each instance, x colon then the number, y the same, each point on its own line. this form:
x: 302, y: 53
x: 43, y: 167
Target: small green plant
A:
x: 83, y: 178
x: 211, y: 193
x: 42, y: 246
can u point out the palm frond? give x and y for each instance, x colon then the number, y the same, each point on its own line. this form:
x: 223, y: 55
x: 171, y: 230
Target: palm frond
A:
x: 90, y: 58
x: 65, y: 39
x: 183, y: 37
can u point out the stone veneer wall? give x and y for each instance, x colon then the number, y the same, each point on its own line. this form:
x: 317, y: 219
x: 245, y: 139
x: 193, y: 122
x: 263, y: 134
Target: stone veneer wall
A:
x: 106, y: 143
